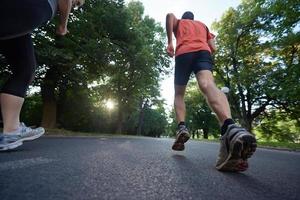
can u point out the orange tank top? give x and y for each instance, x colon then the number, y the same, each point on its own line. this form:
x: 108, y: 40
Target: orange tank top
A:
x: 192, y: 36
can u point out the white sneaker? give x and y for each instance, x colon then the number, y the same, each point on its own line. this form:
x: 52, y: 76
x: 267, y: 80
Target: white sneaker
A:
x: 8, y: 142
x: 26, y: 133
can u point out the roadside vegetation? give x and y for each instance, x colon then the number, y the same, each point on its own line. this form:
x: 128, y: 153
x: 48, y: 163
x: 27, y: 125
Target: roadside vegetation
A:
x: 104, y: 77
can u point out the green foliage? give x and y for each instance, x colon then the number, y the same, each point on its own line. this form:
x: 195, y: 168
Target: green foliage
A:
x: 31, y: 110
x: 112, y: 52
x: 79, y: 119
x: 280, y: 145
x: 276, y: 126
x: 135, y: 68
x: 115, y: 52
x: 155, y: 123
x: 199, y: 115
x: 258, y: 59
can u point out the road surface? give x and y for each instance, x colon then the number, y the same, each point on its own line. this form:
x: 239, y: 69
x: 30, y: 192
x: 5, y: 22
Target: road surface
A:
x: 140, y: 168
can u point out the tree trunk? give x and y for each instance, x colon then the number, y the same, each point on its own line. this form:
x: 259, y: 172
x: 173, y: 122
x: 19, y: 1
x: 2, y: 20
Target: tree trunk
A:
x: 143, y: 107
x: 119, y: 129
x: 49, y: 114
x: 193, y: 134
x: 49, y: 100
x: 120, y: 123
x: 205, y: 133
x: 198, y: 134
x: 141, y: 118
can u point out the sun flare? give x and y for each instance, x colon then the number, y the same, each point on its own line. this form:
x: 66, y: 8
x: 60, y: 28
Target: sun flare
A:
x: 109, y: 104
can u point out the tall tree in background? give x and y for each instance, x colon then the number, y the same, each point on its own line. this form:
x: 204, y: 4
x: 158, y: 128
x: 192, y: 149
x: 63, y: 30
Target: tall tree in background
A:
x: 199, y: 117
x: 82, y: 55
x: 136, y: 67
x: 112, y: 52
x: 283, y: 27
x: 257, y: 59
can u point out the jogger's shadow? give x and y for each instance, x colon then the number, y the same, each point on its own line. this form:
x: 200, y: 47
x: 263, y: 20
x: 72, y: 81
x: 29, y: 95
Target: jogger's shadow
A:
x: 183, y: 163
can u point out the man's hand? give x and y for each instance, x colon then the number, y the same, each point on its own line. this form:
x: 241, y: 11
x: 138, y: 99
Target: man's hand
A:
x: 64, y: 8
x: 171, y: 26
x: 61, y: 30
x: 170, y: 50
x: 212, y: 45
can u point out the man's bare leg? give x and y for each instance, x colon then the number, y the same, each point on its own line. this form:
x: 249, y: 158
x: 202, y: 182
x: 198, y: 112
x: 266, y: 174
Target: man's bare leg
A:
x: 182, y: 134
x: 179, y: 103
x: 215, y: 98
x: 237, y: 144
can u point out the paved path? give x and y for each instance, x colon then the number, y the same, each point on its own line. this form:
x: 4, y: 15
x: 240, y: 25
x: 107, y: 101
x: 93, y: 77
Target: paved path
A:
x: 140, y: 168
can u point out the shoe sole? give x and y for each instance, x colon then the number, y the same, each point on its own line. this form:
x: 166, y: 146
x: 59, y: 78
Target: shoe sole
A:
x: 241, y: 149
x: 179, y: 142
x: 32, y: 137
x: 11, y: 146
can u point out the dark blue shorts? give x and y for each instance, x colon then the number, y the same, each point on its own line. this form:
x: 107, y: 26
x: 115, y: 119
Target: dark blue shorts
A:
x: 187, y: 63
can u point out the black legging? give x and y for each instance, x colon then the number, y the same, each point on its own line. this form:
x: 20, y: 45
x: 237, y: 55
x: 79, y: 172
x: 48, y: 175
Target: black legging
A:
x: 17, y: 20
x: 19, y: 54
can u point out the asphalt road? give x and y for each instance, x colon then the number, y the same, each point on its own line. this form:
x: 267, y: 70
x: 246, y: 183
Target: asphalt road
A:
x: 140, y: 168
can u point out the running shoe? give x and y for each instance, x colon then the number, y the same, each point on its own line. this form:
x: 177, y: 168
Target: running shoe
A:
x: 237, y: 145
x: 182, y: 136
x: 27, y: 133
x: 8, y: 142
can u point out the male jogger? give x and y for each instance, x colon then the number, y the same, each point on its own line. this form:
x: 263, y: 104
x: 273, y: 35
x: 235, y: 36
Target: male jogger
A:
x: 194, y: 45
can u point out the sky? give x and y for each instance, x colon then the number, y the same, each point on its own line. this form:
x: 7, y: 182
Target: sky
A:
x: 206, y: 11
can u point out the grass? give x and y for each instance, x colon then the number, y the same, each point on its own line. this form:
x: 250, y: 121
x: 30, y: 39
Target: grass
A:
x: 63, y: 132
x: 264, y: 144
x: 281, y: 145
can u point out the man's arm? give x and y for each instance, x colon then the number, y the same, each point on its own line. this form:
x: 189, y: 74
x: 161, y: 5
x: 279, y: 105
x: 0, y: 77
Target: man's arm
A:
x: 171, y: 26
x: 212, y: 45
x: 64, y: 7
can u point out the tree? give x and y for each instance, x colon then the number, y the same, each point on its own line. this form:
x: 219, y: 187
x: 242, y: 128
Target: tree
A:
x: 276, y: 126
x: 199, y: 115
x: 154, y: 121
x: 136, y: 67
x: 79, y: 57
x: 250, y: 62
x: 112, y: 52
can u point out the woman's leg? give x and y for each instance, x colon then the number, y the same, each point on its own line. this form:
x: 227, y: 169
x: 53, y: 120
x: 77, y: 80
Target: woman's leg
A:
x: 19, y: 54
x: 10, y: 107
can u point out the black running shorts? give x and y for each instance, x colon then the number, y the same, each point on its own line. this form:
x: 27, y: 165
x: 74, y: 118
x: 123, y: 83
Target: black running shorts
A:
x: 187, y: 63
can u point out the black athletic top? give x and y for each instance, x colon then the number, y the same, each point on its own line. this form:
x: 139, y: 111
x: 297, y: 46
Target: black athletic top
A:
x: 18, y: 18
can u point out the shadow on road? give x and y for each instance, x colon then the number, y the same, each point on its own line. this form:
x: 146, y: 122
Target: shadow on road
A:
x: 251, y: 183
x: 11, y: 151
x: 179, y: 157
